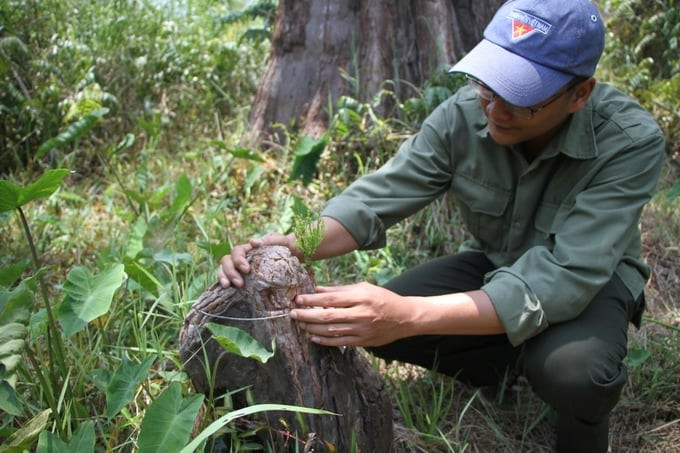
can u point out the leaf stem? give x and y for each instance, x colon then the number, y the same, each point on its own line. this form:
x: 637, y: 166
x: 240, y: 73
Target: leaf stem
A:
x: 48, y: 387
x: 116, y: 175
x: 54, y: 342
x: 661, y: 323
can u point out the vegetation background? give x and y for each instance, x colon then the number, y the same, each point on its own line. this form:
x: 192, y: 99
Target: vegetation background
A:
x: 124, y: 180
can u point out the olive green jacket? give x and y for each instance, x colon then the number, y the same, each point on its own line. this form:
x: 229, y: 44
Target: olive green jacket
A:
x: 557, y: 227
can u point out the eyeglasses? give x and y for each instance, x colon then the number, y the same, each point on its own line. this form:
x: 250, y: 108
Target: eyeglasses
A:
x: 525, y: 113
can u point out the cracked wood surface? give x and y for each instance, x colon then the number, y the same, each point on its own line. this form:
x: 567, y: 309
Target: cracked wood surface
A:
x: 300, y: 373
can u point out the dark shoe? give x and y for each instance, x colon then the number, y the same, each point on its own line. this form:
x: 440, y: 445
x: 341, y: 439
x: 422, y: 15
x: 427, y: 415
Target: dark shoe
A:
x: 575, y: 435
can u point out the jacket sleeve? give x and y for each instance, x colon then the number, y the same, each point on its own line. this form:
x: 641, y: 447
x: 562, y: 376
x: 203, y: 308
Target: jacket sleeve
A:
x: 418, y: 173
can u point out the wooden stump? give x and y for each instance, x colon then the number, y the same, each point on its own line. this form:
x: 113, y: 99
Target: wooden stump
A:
x: 340, y: 380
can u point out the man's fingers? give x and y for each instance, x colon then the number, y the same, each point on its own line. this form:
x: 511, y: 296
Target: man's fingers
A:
x: 222, y: 277
x: 287, y: 241
x: 233, y: 266
x: 333, y: 289
x: 326, y: 298
x: 330, y: 330
x: 336, y: 341
x: 332, y: 334
x: 313, y: 316
x: 270, y: 239
x: 238, y: 257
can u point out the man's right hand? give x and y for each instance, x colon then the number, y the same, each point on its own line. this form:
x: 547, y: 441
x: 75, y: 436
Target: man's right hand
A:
x: 233, y: 266
x: 336, y: 241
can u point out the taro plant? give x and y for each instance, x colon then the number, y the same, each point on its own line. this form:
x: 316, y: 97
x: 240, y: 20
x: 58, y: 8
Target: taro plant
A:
x: 306, y: 157
x: 70, y: 420
x: 86, y: 297
x: 13, y: 197
x: 39, y: 332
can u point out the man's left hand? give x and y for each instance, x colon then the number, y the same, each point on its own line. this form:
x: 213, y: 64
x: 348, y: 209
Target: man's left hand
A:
x: 354, y: 315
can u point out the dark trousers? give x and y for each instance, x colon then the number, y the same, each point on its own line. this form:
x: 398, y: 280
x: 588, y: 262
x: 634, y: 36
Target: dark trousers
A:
x: 575, y: 366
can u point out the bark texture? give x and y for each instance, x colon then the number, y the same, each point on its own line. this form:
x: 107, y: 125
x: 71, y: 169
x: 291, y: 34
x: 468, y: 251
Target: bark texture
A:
x: 398, y: 40
x: 300, y: 373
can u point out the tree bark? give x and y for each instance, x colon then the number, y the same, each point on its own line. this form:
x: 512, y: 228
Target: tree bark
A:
x: 301, y: 373
x: 399, y: 40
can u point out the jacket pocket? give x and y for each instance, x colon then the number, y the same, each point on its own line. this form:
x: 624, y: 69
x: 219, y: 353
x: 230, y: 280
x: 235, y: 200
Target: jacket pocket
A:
x: 483, y: 209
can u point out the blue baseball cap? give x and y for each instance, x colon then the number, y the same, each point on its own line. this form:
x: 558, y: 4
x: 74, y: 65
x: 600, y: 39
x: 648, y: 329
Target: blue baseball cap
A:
x: 532, y: 48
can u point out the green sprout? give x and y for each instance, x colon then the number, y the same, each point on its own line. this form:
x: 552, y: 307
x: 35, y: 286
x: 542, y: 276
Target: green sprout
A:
x: 309, y: 230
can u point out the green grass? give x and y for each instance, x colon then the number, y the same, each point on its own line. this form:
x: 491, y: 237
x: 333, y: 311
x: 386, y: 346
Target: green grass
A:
x: 93, y: 225
x: 171, y: 203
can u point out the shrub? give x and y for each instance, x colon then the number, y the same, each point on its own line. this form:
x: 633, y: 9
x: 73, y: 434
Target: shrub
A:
x: 177, y: 63
x: 641, y: 57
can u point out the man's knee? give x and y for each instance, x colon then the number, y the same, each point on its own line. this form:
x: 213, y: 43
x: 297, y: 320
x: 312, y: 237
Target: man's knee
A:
x: 584, y: 378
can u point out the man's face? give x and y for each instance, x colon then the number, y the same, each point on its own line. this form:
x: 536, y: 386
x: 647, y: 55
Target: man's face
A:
x: 533, y: 126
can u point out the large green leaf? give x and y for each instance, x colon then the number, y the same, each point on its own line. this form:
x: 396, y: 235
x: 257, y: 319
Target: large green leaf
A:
x: 240, y: 153
x: 127, y: 142
x: 83, y: 438
x: 675, y: 191
x: 87, y: 297
x: 140, y: 273
x: 10, y: 274
x: 233, y: 415
x: 216, y: 249
x: 24, y: 438
x: 245, y: 153
x: 307, y: 154
x: 82, y: 441
x: 182, y: 200
x: 637, y: 357
x: 238, y: 342
x: 73, y: 131
x: 172, y: 258
x: 135, y: 242
x: 13, y: 196
x: 168, y: 422
x: 124, y: 383
x: 15, y: 314
x: 8, y: 398
x: 9, y: 196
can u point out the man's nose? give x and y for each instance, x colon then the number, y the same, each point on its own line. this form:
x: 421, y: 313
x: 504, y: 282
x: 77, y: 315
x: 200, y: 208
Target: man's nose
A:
x: 497, y: 108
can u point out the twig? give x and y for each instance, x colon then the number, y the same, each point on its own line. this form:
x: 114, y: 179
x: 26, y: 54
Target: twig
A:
x: 229, y: 318
x: 664, y: 426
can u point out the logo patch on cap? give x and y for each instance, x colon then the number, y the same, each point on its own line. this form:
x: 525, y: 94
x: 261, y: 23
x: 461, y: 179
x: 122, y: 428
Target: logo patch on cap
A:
x: 525, y: 24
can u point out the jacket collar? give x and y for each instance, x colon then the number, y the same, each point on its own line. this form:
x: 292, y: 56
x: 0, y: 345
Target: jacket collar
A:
x: 576, y: 139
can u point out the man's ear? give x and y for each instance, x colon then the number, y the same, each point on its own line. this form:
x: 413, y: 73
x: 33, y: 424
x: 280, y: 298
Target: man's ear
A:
x: 581, y: 94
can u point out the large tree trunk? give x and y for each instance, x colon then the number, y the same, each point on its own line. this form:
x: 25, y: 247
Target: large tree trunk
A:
x: 398, y: 40
x: 301, y: 373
